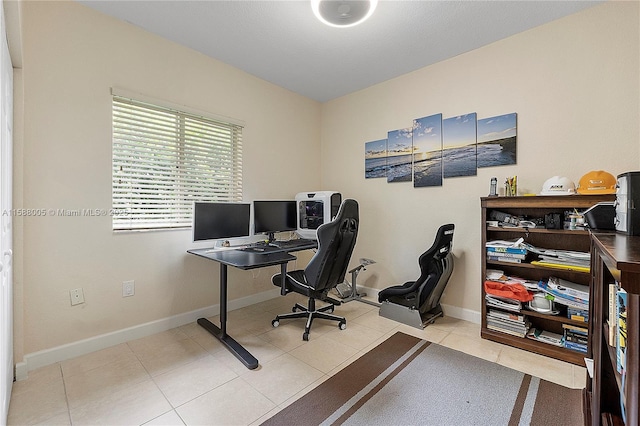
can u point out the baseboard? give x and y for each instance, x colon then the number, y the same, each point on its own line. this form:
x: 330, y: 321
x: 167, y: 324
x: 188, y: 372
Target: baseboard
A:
x: 449, y: 310
x: 462, y: 313
x: 46, y: 357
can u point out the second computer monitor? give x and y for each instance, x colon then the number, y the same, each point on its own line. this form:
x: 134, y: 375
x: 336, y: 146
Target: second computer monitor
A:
x: 271, y: 216
x: 214, y: 221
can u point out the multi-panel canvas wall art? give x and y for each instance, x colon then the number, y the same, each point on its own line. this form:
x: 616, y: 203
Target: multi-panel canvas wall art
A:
x: 375, y: 159
x: 459, y: 146
x: 427, y: 151
x: 435, y: 148
x: 399, y: 158
x: 497, y: 140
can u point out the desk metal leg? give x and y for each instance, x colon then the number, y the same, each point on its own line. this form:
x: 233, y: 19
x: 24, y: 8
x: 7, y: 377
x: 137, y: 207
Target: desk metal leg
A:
x: 283, y: 279
x: 221, y: 332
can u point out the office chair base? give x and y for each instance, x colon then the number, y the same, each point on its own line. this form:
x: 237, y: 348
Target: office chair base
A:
x: 310, y: 313
x: 409, y: 316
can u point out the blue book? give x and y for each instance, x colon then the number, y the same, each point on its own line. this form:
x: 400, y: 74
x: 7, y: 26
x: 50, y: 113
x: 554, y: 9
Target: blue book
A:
x: 576, y: 347
x: 499, y: 249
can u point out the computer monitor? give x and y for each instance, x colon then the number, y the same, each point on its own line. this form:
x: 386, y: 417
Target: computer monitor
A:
x: 274, y: 216
x: 216, y: 221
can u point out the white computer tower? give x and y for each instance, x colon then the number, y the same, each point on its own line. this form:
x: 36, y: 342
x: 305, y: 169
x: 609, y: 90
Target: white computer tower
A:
x: 314, y: 209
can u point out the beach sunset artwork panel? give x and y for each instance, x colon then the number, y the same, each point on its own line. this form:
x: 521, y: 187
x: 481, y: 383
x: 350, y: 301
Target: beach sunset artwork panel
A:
x: 375, y: 159
x: 399, y: 155
x: 427, y: 151
x: 497, y: 140
x: 459, y: 154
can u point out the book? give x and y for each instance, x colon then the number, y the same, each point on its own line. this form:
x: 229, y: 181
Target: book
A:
x: 502, y: 249
x: 613, y: 331
x: 567, y: 302
x: 561, y: 266
x: 621, y: 340
x: 576, y: 339
x: 563, y: 261
x: 578, y: 314
x: 575, y: 329
x: 576, y: 347
x: 546, y: 337
x: 559, y: 295
x: 503, y: 303
x: 505, y: 254
x: 503, y: 259
x: 505, y: 315
x: 522, y: 328
x: 502, y: 330
x: 513, y: 325
x: 611, y: 317
x: 549, y: 289
x: 569, y: 288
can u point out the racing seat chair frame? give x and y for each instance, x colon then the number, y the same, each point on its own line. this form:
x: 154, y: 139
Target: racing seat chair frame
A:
x: 417, y: 303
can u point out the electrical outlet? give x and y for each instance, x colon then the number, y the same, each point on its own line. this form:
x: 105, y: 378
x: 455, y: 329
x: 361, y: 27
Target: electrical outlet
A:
x: 128, y: 288
x: 77, y: 296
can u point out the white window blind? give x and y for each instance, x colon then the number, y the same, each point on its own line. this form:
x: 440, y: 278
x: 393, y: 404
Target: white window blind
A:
x: 164, y: 160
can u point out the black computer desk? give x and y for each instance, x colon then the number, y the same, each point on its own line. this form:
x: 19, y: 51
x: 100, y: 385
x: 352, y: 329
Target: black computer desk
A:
x: 242, y: 259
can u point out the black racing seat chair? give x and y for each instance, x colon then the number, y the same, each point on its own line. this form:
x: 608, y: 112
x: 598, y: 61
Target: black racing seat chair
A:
x: 326, y: 269
x: 417, y: 302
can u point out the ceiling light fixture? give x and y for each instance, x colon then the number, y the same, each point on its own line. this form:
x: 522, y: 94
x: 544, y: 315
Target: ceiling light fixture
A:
x: 341, y: 13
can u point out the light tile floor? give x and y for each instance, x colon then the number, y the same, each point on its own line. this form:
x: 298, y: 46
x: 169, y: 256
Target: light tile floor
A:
x: 185, y: 376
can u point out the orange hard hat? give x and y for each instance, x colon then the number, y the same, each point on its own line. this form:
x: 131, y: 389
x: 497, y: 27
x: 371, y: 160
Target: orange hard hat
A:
x: 597, y: 182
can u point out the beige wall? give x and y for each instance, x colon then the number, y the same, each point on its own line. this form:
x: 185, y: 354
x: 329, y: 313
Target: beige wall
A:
x: 72, y: 57
x: 574, y: 84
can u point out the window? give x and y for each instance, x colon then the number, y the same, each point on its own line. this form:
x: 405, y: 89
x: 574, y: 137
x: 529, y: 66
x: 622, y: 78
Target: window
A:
x: 164, y: 160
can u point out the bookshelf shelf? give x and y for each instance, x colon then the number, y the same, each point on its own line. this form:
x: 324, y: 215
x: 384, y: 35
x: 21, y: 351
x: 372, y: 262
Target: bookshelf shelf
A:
x: 534, y: 346
x: 554, y: 239
x: 614, y: 257
x: 526, y: 265
x: 537, y: 230
x: 558, y: 318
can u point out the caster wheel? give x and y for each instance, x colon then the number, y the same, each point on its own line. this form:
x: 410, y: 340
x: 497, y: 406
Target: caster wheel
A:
x: 342, y: 325
x: 332, y: 309
x: 305, y: 337
x: 275, y: 323
x: 294, y: 309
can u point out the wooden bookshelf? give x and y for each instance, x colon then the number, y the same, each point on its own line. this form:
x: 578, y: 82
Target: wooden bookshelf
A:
x: 614, y: 257
x: 536, y: 207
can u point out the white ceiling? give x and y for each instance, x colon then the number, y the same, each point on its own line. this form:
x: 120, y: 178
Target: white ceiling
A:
x: 282, y: 42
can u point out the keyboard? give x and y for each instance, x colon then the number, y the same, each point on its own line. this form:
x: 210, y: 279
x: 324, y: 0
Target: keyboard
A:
x: 288, y: 244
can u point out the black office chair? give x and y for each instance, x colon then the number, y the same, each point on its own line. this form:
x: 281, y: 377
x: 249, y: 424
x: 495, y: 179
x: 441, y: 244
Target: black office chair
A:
x: 422, y: 296
x: 325, y: 270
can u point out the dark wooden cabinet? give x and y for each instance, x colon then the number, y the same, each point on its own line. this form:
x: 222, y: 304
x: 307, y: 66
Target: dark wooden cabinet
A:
x: 575, y: 240
x: 614, y: 257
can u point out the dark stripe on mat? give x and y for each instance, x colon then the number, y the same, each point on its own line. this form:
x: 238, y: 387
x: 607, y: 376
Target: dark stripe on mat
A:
x: 519, y: 404
x: 379, y: 386
x: 547, y: 399
x: 335, y: 391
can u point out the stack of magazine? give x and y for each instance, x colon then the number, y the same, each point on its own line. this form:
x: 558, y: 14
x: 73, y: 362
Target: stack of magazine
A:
x: 506, y: 251
x: 503, y: 303
x: 560, y: 259
x: 507, y: 322
x: 566, y: 293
